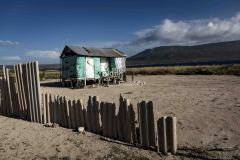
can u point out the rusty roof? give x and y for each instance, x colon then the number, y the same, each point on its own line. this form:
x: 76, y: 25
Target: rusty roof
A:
x: 92, y: 52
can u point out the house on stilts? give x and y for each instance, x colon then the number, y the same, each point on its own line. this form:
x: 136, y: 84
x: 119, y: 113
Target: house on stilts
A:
x: 81, y: 64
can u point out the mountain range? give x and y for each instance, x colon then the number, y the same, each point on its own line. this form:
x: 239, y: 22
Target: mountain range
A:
x: 211, y: 53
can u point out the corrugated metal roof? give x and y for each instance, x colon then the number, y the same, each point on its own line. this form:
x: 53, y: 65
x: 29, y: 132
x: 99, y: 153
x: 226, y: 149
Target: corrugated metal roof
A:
x: 99, y: 52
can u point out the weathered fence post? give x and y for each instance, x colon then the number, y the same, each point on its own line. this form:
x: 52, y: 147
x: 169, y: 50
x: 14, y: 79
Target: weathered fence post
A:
x: 85, y: 116
x: 18, y: 86
x: 68, y: 104
x: 80, y: 108
x: 90, y: 114
x: 47, y: 108
x: 73, y: 115
x: 8, y: 99
x: 171, y: 134
x: 120, y: 120
x: 150, y: 123
x: 143, y: 124
x: 44, y: 109
x: 162, y: 135
x: 14, y: 97
x: 128, y: 122
x: 105, y: 119
x: 131, y: 115
x: 95, y: 120
x: 55, y: 110
x: 37, y: 90
x: 32, y: 92
x: 110, y: 119
x: 77, y: 113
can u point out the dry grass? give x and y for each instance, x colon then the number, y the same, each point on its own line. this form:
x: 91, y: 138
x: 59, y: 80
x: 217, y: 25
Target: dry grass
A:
x: 49, y: 75
x: 171, y: 70
x: 188, y: 70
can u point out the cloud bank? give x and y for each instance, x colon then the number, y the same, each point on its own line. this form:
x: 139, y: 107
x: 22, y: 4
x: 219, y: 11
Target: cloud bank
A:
x: 8, y: 43
x: 170, y: 32
x: 11, y: 58
x: 52, y: 54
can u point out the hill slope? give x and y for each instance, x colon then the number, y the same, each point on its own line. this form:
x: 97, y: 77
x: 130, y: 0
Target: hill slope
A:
x: 206, y: 53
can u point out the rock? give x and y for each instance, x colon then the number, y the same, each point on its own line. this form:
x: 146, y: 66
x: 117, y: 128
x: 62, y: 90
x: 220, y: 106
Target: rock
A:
x: 81, y: 130
x: 55, y: 125
x: 49, y: 125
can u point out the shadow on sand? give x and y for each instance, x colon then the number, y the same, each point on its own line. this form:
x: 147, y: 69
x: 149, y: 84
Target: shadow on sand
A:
x: 52, y: 84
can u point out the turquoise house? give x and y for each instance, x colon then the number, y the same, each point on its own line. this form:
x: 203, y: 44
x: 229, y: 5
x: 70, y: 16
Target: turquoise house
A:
x: 83, y: 64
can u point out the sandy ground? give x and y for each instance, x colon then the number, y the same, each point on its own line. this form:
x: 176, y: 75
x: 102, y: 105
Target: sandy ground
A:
x: 207, y: 109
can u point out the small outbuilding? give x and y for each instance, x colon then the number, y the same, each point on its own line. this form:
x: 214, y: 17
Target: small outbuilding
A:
x: 81, y: 64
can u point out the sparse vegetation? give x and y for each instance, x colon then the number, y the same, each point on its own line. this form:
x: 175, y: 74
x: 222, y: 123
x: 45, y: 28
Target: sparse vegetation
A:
x: 188, y: 70
x: 174, y: 70
x: 49, y: 75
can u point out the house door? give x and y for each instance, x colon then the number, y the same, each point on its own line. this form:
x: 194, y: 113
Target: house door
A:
x: 104, y: 66
x: 89, y: 67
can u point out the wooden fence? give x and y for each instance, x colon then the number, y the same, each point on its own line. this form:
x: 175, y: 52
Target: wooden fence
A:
x: 21, y: 98
x: 20, y: 94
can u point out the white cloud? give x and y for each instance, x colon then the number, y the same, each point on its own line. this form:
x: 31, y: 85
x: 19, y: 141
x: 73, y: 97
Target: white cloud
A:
x: 44, y: 54
x: 8, y: 43
x: 11, y: 58
x: 170, y: 32
x: 182, y: 32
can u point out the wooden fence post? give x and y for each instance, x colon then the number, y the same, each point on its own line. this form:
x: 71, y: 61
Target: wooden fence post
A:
x: 55, y: 112
x: 47, y: 108
x: 89, y: 114
x: 150, y: 123
x: 51, y: 108
x: 77, y: 113
x: 73, y: 115
x: 115, y: 127
x: 59, y: 111
x: 22, y: 92
x: 128, y: 137
x: 68, y: 104
x: 44, y: 109
x: 20, y: 103
x: 171, y: 134
x: 28, y: 94
x: 120, y: 119
x: 85, y: 116
x: 38, y: 93
x: 162, y: 135
x: 14, y: 97
x: 96, y: 124
x: 105, y: 119
x: 110, y: 119
x: 80, y: 108
x: 32, y: 96
x: 143, y: 124
x: 34, y: 92
x: 8, y: 107
x: 131, y: 118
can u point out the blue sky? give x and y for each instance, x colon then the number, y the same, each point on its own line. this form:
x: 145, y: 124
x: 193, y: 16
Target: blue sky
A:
x: 39, y: 29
